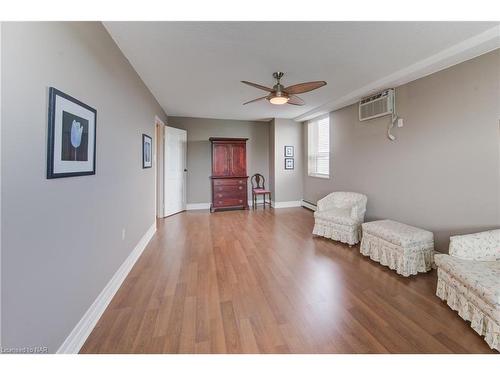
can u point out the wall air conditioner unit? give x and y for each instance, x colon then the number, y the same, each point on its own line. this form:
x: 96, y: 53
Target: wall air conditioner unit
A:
x: 378, y: 105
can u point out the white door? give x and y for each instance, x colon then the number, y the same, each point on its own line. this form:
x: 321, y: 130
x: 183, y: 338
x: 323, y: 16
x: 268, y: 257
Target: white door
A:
x: 175, y: 170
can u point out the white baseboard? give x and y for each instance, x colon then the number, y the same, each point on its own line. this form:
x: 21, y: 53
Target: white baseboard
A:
x: 197, y: 206
x: 204, y: 206
x: 309, y: 205
x: 286, y: 204
x: 82, y: 330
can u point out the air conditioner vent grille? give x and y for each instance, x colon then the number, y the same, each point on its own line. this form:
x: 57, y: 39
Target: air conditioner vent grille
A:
x: 377, y: 105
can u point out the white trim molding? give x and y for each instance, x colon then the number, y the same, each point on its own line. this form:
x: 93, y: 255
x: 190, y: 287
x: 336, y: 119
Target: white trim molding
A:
x: 197, y: 206
x: 1, y: 290
x: 286, y: 204
x: 84, y: 327
x: 309, y: 205
x: 470, y: 48
x: 158, y: 158
x: 159, y: 121
x: 206, y: 206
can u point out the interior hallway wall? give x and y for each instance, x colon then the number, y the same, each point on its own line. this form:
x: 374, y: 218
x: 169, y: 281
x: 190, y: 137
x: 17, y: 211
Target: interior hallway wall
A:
x: 62, y: 238
x: 199, y: 130
x: 287, y: 183
x: 442, y: 172
x: 272, y: 158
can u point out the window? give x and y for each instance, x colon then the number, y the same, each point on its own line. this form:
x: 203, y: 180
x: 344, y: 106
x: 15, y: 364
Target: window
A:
x: 318, y: 150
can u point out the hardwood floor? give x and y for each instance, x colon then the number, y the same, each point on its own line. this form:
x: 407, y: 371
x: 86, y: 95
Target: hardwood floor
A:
x: 259, y: 282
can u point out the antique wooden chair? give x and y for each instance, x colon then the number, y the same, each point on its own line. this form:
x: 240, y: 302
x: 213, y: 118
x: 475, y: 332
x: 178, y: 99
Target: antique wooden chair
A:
x: 259, y: 188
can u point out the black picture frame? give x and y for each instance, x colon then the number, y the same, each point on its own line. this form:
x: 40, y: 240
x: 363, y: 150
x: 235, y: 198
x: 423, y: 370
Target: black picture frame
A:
x: 147, y: 152
x: 289, y: 152
x: 289, y: 163
x: 53, y: 171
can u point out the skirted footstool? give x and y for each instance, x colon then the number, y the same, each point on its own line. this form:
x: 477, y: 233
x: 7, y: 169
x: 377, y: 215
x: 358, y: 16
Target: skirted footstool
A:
x: 403, y: 248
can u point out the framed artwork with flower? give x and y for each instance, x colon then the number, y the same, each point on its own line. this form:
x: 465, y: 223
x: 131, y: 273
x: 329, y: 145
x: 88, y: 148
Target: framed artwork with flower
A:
x: 147, y: 151
x: 71, y: 141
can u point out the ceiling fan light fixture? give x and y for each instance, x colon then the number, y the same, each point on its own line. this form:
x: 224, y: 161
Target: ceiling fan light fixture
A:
x: 279, y: 94
x: 279, y: 100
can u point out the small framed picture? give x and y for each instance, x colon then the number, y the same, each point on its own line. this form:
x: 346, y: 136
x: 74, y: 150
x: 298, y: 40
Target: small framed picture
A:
x: 71, y: 139
x: 288, y: 151
x: 289, y: 163
x: 147, y: 151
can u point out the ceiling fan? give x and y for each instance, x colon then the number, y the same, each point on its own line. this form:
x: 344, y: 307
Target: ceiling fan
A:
x: 281, y: 95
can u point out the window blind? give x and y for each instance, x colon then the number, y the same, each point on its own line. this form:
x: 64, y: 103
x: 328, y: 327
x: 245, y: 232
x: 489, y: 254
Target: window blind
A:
x: 319, y: 147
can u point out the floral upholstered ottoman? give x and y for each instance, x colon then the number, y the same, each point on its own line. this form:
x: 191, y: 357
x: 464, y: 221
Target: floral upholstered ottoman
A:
x: 403, y: 248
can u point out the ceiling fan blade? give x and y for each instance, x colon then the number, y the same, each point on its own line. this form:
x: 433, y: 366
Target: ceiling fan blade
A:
x: 295, y: 100
x: 255, y: 100
x: 304, y: 87
x: 257, y: 86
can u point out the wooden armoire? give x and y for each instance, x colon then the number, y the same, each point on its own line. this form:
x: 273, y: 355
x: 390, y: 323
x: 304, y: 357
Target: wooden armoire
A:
x: 229, y: 173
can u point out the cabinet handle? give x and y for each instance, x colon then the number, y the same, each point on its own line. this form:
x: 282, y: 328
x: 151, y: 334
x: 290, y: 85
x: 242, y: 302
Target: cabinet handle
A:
x: 241, y: 201
x: 220, y: 195
x: 240, y: 187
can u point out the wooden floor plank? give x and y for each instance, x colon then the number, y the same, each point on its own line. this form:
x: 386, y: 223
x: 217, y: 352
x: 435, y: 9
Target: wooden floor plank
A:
x: 259, y: 282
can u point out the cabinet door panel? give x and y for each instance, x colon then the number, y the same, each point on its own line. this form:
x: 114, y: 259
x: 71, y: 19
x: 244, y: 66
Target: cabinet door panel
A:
x: 221, y: 159
x: 238, y: 160
x: 229, y: 181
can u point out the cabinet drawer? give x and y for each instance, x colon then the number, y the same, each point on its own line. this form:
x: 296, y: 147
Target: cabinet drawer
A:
x: 228, y: 202
x: 229, y: 181
x: 229, y: 194
x: 229, y: 188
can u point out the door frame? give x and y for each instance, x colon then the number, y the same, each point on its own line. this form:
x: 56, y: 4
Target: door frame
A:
x: 160, y: 158
x: 1, y: 25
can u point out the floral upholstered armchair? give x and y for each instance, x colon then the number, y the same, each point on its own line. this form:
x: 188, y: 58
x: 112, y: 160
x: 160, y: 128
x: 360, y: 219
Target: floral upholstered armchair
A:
x: 469, y: 281
x: 339, y: 216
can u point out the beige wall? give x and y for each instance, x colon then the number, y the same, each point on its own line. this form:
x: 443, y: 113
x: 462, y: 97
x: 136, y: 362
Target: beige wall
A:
x: 287, y: 183
x: 442, y: 173
x: 199, y: 154
x: 272, y: 152
x: 62, y: 238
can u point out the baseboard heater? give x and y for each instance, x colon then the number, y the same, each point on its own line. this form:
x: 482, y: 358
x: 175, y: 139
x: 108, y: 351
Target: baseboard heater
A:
x: 309, y: 205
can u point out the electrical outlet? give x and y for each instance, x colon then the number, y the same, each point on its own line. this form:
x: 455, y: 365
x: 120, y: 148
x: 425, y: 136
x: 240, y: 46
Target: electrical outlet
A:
x: 123, y: 233
x: 400, y: 123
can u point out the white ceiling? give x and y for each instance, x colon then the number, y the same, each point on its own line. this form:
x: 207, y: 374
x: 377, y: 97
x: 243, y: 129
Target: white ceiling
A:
x: 195, y: 68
